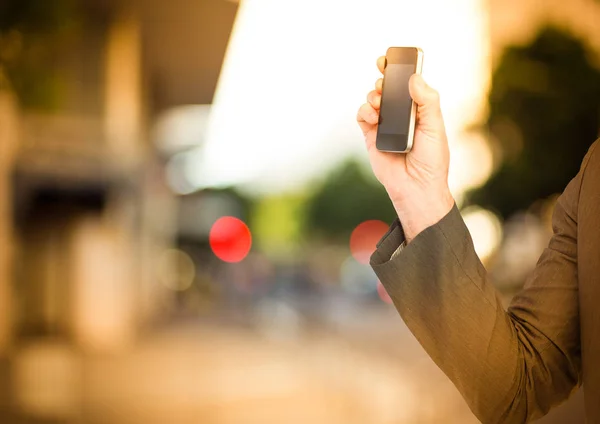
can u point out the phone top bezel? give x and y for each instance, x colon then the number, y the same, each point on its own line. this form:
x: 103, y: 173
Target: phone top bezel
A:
x: 403, y: 55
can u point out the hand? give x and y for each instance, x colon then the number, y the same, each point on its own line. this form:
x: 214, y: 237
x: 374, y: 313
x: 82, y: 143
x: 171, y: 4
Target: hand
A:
x: 417, y: 182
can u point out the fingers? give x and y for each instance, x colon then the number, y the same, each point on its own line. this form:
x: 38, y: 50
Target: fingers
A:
x: 379, y: 85
x: 428, y: 102
x: 374, y: 99
x: 423, y: 94
x: 367, y: 114
x: 381, y: 63
x: 367, y: 117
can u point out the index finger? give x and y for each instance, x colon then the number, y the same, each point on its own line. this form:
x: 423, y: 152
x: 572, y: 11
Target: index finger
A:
x: 381, y: 63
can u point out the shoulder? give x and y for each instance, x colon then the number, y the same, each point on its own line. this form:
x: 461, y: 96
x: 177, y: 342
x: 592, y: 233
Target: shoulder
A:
x: 590, y: 172
x: 582, y: 187
x: 592, y: 158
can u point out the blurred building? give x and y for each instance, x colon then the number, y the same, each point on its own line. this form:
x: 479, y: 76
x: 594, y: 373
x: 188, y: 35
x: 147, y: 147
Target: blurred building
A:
x: 85, y: 211
x: 78, y: 231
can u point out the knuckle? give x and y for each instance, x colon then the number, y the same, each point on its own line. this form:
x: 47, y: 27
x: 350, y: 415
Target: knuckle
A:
x: 362, y: 112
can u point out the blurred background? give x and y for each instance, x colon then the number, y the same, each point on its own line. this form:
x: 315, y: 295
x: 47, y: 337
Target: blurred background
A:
x: 187, y: 212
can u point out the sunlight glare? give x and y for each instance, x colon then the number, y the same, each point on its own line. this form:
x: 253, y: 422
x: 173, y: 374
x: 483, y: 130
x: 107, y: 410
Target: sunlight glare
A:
x: 296, y: 72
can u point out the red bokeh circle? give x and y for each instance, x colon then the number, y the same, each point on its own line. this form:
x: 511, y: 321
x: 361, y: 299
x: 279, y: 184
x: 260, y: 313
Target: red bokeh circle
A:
x: 383, y: 294
x: 230, y: 239
x: 364, y: 238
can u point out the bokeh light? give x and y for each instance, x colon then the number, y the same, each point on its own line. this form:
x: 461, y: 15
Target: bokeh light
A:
x: 471, y: 163
x: 181, y: 128
x: 364, y: 238
x: 176, y: 173
x: 383, y: 294
x: 485, y: 228
x: 230, y: 239
x: 176, y: 270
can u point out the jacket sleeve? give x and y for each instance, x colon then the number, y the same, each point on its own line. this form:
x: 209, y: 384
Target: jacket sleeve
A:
x: 511, y: 366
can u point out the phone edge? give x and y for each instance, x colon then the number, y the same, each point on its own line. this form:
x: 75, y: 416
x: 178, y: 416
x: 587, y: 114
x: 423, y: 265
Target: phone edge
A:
x: 413, y: 112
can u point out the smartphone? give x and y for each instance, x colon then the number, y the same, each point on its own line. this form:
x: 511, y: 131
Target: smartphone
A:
x: 398, y: 112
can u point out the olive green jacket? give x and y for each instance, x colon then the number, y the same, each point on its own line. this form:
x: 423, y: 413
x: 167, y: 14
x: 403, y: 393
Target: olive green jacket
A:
x: 511, y: 365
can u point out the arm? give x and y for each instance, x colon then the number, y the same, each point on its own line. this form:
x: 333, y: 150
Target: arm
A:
x: 510, y: 366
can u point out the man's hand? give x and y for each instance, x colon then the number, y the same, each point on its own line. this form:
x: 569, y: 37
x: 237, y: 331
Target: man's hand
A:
x: 417, y: 182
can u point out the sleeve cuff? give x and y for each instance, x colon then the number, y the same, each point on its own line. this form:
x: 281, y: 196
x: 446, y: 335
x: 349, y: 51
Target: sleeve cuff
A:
x: 398, y: 250
x: 394, y: 242
x: 390, y: 244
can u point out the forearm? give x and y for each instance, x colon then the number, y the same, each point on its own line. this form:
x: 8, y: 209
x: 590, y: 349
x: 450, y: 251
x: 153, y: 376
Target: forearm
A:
x: 442, y: 292
x: 418, y: 211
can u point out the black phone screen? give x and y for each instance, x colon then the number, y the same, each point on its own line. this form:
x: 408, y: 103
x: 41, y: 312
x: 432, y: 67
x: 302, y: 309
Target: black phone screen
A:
x: 396, y: 104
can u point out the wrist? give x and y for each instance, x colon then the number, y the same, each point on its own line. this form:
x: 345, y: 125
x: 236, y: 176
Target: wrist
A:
x: 420, y: 211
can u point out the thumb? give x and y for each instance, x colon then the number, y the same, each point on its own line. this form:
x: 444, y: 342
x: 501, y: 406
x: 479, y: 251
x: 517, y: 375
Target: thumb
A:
x: 428, y: 103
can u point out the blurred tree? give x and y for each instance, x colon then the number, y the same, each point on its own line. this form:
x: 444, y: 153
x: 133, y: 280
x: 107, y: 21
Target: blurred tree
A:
x: 32, y: 33
x: 278, y: 223
x: 347, y: 197
x: 544, y: 112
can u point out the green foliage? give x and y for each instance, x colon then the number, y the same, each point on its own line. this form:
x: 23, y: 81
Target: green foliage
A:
x: 277, y: 223
x: 347, y: 197
x: 32, y: 35
x: 545, y: 113
x: 34, y: 16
